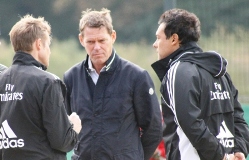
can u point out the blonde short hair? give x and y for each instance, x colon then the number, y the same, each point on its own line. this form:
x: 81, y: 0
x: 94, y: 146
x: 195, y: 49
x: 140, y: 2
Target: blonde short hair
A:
x: 96, y: 19
x: 24, y: 33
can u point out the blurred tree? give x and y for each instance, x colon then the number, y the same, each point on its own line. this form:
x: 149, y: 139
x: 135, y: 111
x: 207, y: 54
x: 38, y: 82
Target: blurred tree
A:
x: 10, y: 12
x: 133, y: 20
x: 229, y: 13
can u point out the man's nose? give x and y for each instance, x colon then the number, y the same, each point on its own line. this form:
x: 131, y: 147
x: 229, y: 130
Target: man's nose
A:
x: 154, y: 45
x: 97, y: 46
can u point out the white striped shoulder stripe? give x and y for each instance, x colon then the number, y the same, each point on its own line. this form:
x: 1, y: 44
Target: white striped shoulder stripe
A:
x: 171, y: 87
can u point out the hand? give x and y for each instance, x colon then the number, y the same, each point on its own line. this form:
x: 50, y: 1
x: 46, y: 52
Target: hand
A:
x: 75, y: 120
x: 239, y: 156
x: 229, y: 157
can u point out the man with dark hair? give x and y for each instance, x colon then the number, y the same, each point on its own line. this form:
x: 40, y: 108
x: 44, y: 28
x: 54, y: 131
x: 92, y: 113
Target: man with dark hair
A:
x: 203, y: 117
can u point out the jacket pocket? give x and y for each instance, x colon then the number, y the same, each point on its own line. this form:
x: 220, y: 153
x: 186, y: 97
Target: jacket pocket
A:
x: 219, y: 107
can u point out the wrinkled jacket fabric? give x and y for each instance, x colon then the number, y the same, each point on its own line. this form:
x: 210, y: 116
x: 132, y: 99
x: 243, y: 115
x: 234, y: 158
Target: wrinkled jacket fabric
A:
x: 120, y: 115
x: 203, y: 117
x: 2, y: 68
x: 34, y: 123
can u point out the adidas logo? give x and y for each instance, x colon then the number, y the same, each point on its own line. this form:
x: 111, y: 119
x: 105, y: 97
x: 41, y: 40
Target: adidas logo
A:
x: 225, y: 136
x: 8, y: 138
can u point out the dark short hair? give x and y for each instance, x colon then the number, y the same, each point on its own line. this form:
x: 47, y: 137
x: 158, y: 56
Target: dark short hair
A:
x: 181, y: 22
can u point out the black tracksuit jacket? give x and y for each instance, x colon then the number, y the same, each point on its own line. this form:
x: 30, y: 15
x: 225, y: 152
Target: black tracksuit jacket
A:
x: 203, y: 117
x: 34, y: 123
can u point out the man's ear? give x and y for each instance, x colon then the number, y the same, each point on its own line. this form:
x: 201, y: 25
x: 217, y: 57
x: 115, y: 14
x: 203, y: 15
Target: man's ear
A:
x: 175, y: 38
x: 81, y: 40
x: 38, y: 43
x: 114, y: 36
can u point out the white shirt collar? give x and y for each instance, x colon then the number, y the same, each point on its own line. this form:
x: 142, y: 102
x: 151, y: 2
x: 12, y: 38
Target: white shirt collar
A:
x: 94, y: 75
x: 90, y: 66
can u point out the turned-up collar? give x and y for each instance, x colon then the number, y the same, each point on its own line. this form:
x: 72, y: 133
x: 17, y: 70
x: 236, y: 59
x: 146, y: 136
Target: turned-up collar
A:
x: 23, y: 58
x: 108, y: 65
x: 162, y: 66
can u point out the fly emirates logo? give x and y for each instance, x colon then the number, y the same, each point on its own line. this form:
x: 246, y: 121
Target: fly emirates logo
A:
x: 219, y: 94
x: 8, y: 138
x: 9, y: 95
x: 225, y: 136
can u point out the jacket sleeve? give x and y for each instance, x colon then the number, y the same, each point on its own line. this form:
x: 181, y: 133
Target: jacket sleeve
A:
x: 241, y: 127
x: 59, y: 130
x: 184, y: 91
x: 148, y: 114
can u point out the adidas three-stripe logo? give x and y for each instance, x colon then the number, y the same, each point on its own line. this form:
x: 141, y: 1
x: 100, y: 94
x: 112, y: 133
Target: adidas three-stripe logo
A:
x: 225, y: 136
x: 8, y: 138
x: 6, y: 128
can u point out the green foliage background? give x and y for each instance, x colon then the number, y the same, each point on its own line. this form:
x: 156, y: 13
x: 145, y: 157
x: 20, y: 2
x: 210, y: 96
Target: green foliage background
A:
x: 65, y: 54
x: 134, y: 20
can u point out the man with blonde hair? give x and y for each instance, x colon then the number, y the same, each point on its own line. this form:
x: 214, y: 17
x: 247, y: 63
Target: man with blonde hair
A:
x: 34, y: 123
x: 113, y: 97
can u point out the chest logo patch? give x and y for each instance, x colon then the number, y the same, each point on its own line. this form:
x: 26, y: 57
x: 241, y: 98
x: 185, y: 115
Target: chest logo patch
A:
x: 151, y: 91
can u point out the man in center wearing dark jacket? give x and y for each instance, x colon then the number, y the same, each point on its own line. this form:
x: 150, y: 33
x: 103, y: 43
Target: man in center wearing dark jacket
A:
x: 203, y: 117
x: 114, y: 98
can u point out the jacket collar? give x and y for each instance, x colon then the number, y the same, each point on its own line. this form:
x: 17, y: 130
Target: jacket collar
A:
x: 23, y: 58
x: 163, y: 65
x: 110, y: 63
